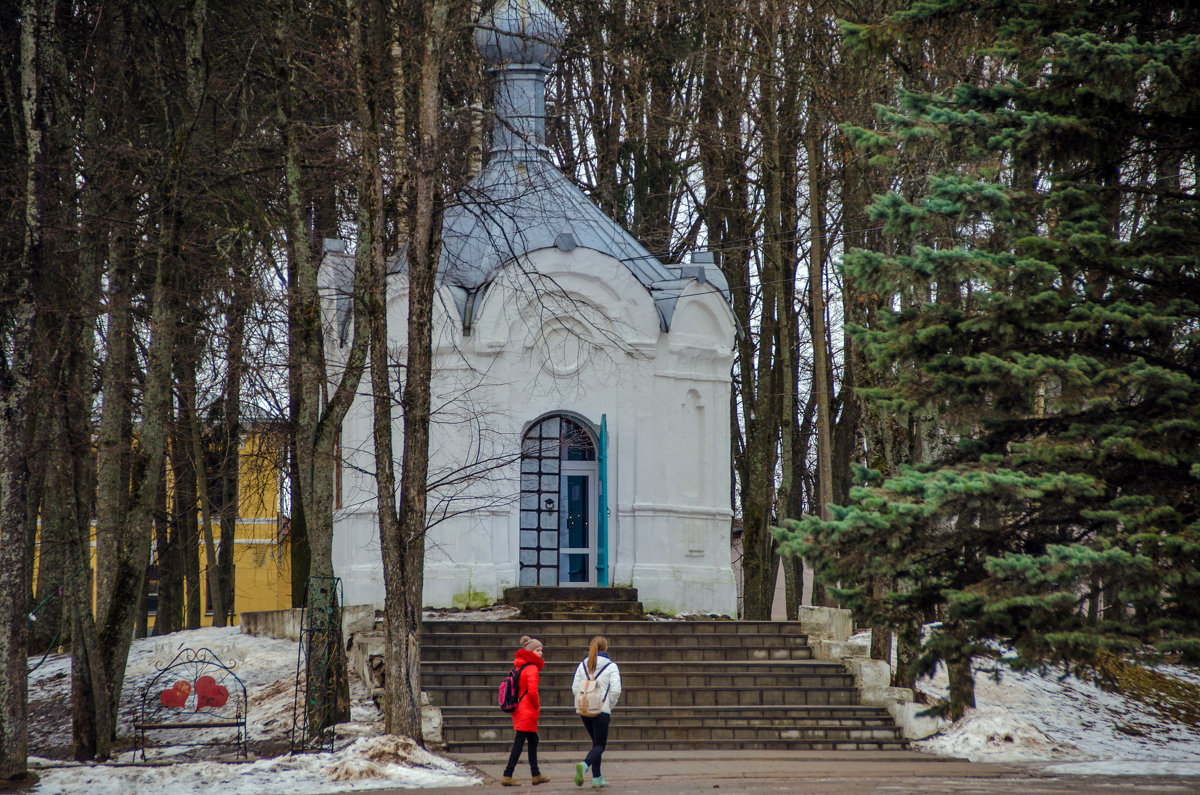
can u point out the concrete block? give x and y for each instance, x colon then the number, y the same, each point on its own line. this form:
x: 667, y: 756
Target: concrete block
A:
x: 835, y: 650
x: 884, y: 696
x: 279, y: 624
x: 868, y: 672
x: 357, y: 618
x: 431, y: 725
x: 366, y: 658
x: 913, y: 726
x: 285, y: 624
x: 826, y: 622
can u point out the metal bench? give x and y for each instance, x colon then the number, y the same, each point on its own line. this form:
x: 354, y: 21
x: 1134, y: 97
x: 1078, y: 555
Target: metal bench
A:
x: 194, y: 691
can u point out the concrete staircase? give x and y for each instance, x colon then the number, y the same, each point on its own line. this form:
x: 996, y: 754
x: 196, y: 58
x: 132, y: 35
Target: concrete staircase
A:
x: 539, y: 603
x: 687, y: 685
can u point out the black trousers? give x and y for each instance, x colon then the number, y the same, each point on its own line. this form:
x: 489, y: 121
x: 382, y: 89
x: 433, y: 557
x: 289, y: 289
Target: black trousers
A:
x: 518, y: 744
x: 597, y: 729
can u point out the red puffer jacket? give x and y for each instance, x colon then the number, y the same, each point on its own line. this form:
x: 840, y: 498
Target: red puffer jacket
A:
x: 525, y: 718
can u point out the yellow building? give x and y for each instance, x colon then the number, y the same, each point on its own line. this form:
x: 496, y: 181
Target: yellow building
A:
x: 261, y: 559
x: 261, y: 555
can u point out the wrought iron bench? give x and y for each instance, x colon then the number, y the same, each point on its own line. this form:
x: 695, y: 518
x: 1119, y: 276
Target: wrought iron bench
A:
x: 194, y: 691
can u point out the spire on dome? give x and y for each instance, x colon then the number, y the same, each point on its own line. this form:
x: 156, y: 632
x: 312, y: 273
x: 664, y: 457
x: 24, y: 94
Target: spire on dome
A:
x: 519, y: 40
x: 522, y: 32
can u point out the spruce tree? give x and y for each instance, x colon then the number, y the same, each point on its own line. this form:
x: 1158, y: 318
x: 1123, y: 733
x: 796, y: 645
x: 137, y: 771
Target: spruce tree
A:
x: 1054, y: 334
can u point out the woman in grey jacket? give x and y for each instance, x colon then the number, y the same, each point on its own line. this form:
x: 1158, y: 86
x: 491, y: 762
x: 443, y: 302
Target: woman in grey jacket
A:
x: 599, y: 667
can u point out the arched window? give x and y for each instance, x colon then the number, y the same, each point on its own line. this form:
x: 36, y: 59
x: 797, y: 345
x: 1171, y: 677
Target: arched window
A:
x: 558, y: 503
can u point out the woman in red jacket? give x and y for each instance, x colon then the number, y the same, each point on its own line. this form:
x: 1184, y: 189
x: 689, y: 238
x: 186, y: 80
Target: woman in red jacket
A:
x: 525, y: 718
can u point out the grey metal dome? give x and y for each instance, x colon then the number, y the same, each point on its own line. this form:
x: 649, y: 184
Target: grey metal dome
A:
x: 520, y: 32
x: 521, y: 203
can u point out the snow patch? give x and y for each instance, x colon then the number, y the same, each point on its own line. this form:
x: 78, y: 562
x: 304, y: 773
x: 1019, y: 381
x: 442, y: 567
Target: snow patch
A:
x: 1028, y: 717
x: 1125, y: 767
x: 371, y: 763
x: 364, y: 757
x: 997, y: 735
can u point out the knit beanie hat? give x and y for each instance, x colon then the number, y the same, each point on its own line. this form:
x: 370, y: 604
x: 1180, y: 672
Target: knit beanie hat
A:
x: 530, y: 644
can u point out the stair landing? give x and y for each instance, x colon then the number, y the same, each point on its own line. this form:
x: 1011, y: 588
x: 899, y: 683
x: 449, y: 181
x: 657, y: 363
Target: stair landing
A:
x: 575, y: 604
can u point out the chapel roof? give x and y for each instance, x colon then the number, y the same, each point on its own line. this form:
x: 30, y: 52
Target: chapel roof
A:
x: 520, y: 202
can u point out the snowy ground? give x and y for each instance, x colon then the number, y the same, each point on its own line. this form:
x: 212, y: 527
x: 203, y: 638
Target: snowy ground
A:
x: 364, y: 758
x: 1079, y: 728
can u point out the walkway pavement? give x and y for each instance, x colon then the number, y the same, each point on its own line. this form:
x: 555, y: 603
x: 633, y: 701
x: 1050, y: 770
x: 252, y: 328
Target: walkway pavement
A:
x: 801, y: 773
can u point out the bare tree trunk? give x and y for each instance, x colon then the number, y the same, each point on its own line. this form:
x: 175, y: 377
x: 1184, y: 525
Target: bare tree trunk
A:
x: 121, y: 576
x: 368, y: 73
x: 821, y: 374
x: 121, y: 587
x: 317, y: 415
x: 168, y: 533
x: 777, y: 271
x: 724, y: 160
x: 16, y: 383
x: 908, y: 648
x: 229, y: 435
x: 186, y: 481
x: 114, y: 461
x: 961, y: 696
x: 50, y: 476
x: 407, y: 550
x: 211, y: 580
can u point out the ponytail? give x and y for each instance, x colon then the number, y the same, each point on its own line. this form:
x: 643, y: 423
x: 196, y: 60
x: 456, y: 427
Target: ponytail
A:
x: 599, y: 644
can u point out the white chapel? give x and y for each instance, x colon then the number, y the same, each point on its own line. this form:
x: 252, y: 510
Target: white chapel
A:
x: 581, y: 387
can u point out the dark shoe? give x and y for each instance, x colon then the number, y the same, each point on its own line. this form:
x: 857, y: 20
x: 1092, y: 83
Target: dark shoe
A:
x: 508, y: 781
x: 540, y: 779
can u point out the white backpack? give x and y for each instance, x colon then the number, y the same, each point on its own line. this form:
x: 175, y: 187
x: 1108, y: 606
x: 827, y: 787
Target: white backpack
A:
x: 589, y: 701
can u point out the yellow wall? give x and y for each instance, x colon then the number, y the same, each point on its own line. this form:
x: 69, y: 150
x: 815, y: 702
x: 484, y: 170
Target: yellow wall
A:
x: 262, y: 566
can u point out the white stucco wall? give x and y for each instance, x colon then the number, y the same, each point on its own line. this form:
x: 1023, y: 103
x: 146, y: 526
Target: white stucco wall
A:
x: 574, y: 333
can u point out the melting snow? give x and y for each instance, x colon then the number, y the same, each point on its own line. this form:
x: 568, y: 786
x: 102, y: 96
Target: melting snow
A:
x: 1026, y: 717
x: 364, y: 757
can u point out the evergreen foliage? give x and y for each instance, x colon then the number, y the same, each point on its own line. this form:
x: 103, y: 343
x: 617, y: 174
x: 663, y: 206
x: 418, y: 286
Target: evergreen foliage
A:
x: 1045, y: 312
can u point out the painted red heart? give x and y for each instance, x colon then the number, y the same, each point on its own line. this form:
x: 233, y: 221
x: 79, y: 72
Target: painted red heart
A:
x: 209, y: 693
x: 176, y: 695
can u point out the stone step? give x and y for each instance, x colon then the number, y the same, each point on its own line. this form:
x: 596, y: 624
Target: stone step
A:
x: 485, y: 695
x: 632, y: 669
x: 615, y: 743
x: 453, y: 652
x: 842, y: 714
x: 573, y: 613
x: 602, y: 604
x: 635, y: 683
x: 642, y: 628
x: 541, y: 593
x: 615, y: 641
x: 689, y: 732
x: 646, y: 727
x: 617, y: 607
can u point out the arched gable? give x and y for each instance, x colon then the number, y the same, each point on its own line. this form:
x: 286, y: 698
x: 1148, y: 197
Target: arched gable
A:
x: 447, y: 323
x: 703, y: 319
x: 550, y: 295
